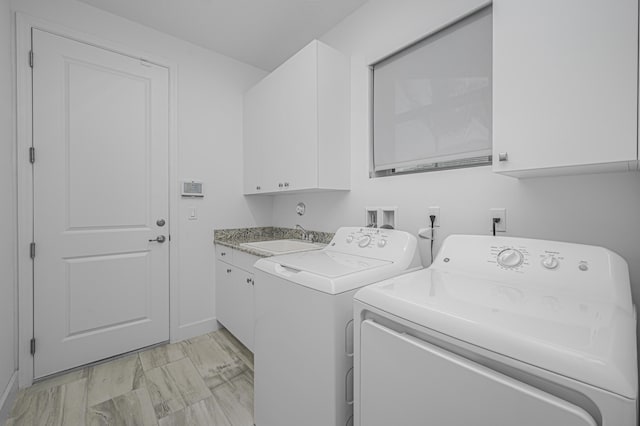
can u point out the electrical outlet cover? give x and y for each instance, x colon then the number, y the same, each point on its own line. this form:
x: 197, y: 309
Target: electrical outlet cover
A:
x: 500, y: 213
x: 434, y: 211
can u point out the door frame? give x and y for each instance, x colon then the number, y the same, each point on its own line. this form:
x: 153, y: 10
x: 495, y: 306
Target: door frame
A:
x: 24, y: 136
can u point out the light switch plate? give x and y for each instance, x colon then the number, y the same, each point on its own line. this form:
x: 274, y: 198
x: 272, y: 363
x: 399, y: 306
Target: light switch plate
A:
x: 193, y: 213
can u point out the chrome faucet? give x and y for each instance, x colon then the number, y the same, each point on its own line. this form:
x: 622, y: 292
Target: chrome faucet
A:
x: 305, y: 234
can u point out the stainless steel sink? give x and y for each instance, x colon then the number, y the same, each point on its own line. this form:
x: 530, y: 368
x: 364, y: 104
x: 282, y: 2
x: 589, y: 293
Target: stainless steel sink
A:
x: 282, y: 246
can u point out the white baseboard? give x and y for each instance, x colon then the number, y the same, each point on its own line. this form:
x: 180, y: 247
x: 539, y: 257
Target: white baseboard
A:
x: 197, y: 328
x: 8, y: 398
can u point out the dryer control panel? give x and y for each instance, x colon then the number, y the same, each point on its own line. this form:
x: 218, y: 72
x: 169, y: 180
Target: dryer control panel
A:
x: 588, y: 270
x: 516, y: 257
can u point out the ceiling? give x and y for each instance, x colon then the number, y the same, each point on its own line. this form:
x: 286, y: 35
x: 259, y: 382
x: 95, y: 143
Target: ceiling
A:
x: 263, y: 33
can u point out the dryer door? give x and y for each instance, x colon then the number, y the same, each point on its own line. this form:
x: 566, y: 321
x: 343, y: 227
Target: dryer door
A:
x: 405, y: 381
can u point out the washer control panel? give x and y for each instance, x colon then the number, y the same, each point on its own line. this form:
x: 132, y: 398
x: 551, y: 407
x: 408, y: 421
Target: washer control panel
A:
x: 368, y: 237
x: 364, y: 241
x: 373, y: 242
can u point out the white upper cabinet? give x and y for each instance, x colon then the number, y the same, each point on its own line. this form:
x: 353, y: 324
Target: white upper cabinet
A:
x: 296, y: 128
x: 565, y: 80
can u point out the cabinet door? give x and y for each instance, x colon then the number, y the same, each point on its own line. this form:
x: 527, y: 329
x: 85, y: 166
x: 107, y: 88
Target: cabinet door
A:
x: 299, y: 104
x: 251, y: 143
x: 565, y: 84
x: 234, y: 301
x: 293, y: 158
x: 224, y: 278
x: 272, y: 133
x: 256, y: 124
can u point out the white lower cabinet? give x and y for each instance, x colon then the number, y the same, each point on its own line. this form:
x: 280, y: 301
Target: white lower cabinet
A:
x: 234, y: 294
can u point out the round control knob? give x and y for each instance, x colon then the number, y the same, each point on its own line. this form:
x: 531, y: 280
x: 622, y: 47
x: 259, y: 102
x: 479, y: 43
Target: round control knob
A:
x: 510, y: 258
x: 364, y: 241
x: 349, y: 238
x: 382, y: 243
x: 550, y: 262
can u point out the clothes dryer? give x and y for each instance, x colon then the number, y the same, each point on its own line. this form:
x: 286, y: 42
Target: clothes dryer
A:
x: 499, y: 332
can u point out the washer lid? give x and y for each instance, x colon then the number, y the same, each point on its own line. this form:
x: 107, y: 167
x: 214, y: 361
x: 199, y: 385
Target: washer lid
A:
x: 327, y: 271
x: 327, y: 263
x: 588, y: 340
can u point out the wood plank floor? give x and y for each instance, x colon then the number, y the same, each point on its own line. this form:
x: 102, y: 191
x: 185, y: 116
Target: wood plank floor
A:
x: 207, y: 380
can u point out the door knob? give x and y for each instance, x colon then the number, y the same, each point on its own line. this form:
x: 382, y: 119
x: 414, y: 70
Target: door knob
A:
x: 159, y: 239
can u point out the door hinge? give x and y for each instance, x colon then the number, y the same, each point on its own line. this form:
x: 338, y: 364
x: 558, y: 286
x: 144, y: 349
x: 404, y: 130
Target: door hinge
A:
x: 31, y: 58
x: 33, y: 346
x: 32, y: 250
x: 32, y: 155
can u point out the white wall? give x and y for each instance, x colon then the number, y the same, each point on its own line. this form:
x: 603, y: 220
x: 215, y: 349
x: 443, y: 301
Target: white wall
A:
x: 601, y: 209
x: 210, y: 88
x: 8, y: 306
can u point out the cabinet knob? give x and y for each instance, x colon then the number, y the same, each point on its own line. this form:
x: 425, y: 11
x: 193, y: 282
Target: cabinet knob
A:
x: 258, y: 188
x: 248, y: 280
x: 223, y: 253
x: 228, y: 271
x: 286, y: 184
x: 503, y: 156
x: 280, y: 185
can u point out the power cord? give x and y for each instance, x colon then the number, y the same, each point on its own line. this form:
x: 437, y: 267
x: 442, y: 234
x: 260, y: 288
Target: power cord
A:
x: 433, y: 221
x: 495, y: 221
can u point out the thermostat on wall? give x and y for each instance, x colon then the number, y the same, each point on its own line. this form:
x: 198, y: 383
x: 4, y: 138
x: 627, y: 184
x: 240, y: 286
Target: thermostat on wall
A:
x: 192, y: 188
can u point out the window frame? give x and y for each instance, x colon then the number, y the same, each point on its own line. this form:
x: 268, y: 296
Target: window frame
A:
x: 475, y: 161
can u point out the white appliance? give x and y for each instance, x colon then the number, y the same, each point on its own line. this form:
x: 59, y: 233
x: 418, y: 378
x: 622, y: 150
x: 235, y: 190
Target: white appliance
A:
x: 304, y: 324
x: 499, y: 332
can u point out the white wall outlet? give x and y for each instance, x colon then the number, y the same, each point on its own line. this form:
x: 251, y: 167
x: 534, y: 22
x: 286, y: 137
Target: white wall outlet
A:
x: 436, y: 212
x: 500, y: 213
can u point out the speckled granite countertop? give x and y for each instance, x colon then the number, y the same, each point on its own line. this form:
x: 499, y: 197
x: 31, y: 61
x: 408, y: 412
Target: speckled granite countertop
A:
x: 234, y: 237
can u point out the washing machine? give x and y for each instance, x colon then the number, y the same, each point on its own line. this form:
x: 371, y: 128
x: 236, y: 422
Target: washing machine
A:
x: 303, y: 346
x: 499, y: 332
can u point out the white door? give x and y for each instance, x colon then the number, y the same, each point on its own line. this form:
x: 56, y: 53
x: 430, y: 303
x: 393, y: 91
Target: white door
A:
x: 408, y: 382
x: 100, y: 132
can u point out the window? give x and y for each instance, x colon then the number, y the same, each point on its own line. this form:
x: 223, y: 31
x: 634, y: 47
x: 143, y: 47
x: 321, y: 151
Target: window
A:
x: 432, y: 101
